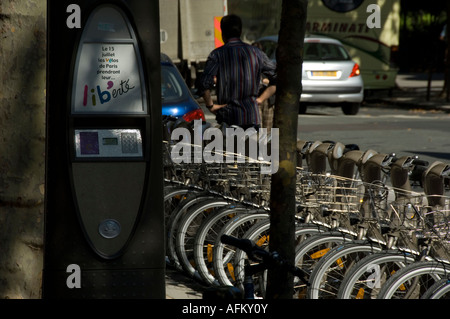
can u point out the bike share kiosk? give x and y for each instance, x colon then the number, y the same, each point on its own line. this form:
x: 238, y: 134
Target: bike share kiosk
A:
x: 104, y: 190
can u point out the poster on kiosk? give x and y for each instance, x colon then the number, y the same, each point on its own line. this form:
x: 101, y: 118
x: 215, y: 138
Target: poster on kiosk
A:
x: 111, y: 231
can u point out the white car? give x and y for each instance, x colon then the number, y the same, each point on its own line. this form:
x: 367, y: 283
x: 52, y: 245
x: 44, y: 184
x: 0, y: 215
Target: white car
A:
x: 330, y: 76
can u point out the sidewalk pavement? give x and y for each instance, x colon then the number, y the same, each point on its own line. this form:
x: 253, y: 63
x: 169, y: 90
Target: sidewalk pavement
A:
x: 411, y: 92
x: 180, y: 286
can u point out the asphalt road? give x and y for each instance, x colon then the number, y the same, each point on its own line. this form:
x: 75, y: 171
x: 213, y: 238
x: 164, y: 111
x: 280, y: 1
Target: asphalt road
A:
x: 386, y: 129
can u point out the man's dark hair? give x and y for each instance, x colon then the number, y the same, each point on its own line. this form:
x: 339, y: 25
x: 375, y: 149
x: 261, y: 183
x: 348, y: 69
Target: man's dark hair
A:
x: 231, y: 26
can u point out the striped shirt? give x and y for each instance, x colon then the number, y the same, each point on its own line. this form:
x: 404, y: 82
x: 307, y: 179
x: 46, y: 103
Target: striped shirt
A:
x: 237, y: 67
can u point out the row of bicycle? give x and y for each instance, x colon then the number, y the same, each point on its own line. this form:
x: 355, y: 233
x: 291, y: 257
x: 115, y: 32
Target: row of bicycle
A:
x: 364, y: 220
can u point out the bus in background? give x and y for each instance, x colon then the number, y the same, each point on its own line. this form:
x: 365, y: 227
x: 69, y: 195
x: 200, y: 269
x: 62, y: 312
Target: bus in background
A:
x: 374, y: 49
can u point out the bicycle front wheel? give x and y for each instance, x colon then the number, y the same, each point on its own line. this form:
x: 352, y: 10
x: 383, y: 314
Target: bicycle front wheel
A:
x: 206, y: 238
x: 365, y: 279
x: 223, y: 255
x: 330, y: 270
x: 412, y: 281
x: 188, y: 228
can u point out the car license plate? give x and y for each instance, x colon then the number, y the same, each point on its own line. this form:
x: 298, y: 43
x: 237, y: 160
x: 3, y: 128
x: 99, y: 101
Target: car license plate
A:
x: 324, y: 73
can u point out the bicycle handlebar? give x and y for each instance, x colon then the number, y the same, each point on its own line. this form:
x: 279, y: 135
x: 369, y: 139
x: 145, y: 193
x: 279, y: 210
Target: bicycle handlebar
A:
x: 420, y: 162
x: 248, y: 246
x: 243, y: 244
x: 269, y: 259
x: 413, y: 161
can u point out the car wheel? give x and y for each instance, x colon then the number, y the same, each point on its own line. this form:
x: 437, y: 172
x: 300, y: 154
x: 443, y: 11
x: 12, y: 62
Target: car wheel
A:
x: 302, y: 108
x: 350, y: 108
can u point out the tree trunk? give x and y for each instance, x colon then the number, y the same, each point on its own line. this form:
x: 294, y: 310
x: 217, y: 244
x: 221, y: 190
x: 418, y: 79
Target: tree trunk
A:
x: 282, y: 199
x: 22, y: 146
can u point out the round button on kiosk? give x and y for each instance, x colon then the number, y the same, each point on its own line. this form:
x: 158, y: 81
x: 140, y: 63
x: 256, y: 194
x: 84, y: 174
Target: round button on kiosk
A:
x: 109, y: 228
